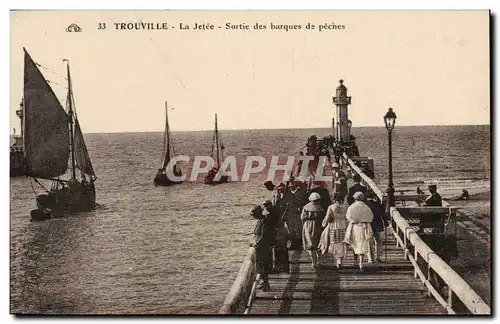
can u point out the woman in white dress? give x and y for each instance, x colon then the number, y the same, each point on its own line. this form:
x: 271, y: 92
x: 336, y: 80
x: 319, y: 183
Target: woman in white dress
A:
x: 359, y: 234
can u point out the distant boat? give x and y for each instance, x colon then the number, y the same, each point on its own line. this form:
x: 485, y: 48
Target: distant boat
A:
x: 219, y: 152
x: 161, y: 178
x: 52, y: 138
x: 17, y: 162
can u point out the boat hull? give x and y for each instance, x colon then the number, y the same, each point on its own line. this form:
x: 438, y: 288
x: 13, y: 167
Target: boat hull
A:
x: 76, y: 198
x: 163, y: 180
x: 41, y: 214
x: 210, y: 180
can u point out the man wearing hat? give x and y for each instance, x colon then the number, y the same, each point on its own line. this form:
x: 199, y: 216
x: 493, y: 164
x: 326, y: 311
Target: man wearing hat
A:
x: 339, y: 181
x: 278, y: 196
x: 280, y: 236
x: 295, y: 198
x: 434, y: 199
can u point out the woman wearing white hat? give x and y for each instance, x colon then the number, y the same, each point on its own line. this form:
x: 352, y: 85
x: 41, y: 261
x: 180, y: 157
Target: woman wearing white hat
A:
x: 359, y: 234
x: 312, y: 215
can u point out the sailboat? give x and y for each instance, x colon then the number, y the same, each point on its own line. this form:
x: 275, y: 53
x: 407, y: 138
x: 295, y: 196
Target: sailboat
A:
x: 161, y: 178
x: 212, y: 177
x: 52, y: 141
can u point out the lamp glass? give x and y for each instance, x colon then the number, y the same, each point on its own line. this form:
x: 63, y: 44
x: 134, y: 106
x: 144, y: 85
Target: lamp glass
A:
x: 390, y: 120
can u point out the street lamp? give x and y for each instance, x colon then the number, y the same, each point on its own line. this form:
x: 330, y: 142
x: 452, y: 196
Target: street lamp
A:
x: 390, y: 120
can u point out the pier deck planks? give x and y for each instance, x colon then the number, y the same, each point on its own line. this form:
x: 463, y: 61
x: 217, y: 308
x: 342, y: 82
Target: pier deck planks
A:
x: 381, y: 289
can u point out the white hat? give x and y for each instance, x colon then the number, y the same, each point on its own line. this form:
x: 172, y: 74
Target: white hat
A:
x: 314, y: 196
x: 358, y: 195
x: 335, y: 165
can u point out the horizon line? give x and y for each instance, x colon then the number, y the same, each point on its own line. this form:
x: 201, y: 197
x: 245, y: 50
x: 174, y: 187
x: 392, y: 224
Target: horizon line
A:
x: 287, y: 128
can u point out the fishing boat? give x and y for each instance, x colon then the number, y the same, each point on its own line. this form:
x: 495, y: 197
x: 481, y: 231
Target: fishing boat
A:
x: 53, y: 144
x: 17, y: 165
x: 162, y: 178
x: 212, y: 176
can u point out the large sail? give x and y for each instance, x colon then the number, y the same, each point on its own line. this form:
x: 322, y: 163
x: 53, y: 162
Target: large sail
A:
x: 166, y: 140
x: 82, y: 158
x: 46, y: 130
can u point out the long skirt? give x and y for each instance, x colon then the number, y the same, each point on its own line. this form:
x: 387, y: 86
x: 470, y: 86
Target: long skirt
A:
x: 359, y: 236
x: 337, y: 245
x: 311, y: 233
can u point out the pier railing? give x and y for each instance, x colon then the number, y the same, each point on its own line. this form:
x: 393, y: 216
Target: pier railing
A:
x: 409, y: 240
x: 417, y: 251
x: 240, y: 295
x: 365, y: 180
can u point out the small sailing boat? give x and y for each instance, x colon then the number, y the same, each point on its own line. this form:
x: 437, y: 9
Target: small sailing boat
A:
x: 161, y: 178
x: 52, y: 137
x: 212, y: 176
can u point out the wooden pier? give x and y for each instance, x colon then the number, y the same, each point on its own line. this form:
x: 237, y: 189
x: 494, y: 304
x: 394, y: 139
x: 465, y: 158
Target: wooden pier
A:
x: 386, y: 288
x: 403, y: 284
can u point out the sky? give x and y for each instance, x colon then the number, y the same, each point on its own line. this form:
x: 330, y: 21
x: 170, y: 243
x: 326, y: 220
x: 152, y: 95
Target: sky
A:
x: 431, y: 67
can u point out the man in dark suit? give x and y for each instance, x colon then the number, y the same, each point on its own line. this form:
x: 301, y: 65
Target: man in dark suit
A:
x: 357, y: 186
x: 434, y: 199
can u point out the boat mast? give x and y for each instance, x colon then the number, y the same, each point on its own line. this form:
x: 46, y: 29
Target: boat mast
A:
x: 167, y: 131
x: 217, y: 140
x: 69, y: 102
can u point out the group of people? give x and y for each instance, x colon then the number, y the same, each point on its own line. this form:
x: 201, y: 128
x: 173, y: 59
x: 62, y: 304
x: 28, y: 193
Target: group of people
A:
x: 323, y: 147
x: 277, y: 224
x: 319, y: 147
x: 308, y: 219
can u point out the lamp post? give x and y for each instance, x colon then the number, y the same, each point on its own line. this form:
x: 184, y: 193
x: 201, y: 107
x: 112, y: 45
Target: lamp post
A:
x: 349, y: 125
x: 390, y: 120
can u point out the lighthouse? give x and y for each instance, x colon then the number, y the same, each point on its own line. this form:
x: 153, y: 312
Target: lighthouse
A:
x: 341, y: 101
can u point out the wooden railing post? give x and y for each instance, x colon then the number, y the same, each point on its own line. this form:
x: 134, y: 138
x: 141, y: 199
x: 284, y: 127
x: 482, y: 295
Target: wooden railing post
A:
x: 450, y: 296
x: 416, y: 261
x: 428, y: 273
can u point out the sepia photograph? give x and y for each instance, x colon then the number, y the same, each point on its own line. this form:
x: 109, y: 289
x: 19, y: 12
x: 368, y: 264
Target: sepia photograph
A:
x: 250, y: 162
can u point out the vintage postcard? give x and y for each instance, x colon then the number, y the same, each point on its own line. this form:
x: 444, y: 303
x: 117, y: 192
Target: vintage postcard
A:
x: 250, y: 162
